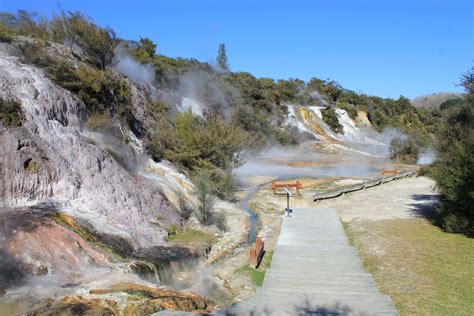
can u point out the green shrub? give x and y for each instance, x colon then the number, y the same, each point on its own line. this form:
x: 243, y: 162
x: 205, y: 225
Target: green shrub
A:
x: 10, y: 113
x: 204, y: 192
x: 98, y: 43
x: 184, y: 209
x: 98, y: 122
x: 172, y: 230
x: 221, y: 221
x: 223, y: 184
x: 6, y: 33
x: 454, y: 172
x: 98, y: 89
x: 404, y: 150
x: 330, y: 118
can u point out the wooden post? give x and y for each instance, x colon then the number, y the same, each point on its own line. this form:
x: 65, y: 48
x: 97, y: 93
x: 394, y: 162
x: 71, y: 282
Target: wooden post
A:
x: 257, y: 252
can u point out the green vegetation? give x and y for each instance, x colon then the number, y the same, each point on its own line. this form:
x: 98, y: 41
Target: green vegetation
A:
x: 96, y: 42
x: 257, y: 275
x: 425, y: 270
x: 190, y: 237
x: 31, y: 166
x: 206, y: 198
x: 98, y: 122
x: 10, y: 113
x: 330, y: 118
x: 184, y: 209
x: 404, y: 150
x: 454, y: 166
x: 222, y: 61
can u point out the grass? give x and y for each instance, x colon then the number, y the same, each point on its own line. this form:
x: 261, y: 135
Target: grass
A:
x: 257, y: 275
x: 190, y: 237
x: 68, y: 222
x: 10, y: 113
x: 425, y: 270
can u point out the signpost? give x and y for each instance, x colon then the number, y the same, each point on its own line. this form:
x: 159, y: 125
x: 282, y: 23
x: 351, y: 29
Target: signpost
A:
x: 288, y: 211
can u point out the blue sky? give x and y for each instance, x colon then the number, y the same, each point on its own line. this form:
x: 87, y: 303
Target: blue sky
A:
x: 386, y: 48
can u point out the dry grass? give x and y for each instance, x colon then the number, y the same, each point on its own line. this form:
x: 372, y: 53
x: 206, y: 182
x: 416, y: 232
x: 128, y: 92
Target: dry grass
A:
x: 425, y: 270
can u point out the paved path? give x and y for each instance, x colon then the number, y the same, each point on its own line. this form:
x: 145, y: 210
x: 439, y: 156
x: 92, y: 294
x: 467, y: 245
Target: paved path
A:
x: 315, y: 271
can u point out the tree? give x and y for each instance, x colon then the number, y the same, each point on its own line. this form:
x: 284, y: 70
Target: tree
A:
x: 97, y: 42
x: 148, y: 46
x: 203, y: 189
x: 454, y: 165
x: 222, y: 61
x: 404, y: 150
x: 331, y: 119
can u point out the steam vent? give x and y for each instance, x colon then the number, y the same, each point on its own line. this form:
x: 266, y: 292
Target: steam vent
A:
x: 169, y: 158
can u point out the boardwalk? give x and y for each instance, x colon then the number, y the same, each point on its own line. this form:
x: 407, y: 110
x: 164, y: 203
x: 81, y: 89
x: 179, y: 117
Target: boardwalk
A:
x: 315, y: 271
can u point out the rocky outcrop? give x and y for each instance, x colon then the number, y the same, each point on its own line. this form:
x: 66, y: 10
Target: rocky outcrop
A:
x: 141, y: 300
x: 362, y: 120
x: 49, y: 161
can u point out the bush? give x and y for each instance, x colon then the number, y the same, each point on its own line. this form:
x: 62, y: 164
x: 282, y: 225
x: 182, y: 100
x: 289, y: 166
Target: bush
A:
x: 98, y: 122
x: 454, y: 172
x: 330, y: 118
x: 198, y: 143
x: 98, y: 43
x: 404, y: 150
x: 6, y: 33
x: 184, y: 209
x: 98, y: 89
x: 206, y: 198
x: 10, y: 113
x: 221, y: 222
x: 223, y: 183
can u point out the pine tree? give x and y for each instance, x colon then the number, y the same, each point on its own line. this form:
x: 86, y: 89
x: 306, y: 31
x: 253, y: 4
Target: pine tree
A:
x: 222, y: 58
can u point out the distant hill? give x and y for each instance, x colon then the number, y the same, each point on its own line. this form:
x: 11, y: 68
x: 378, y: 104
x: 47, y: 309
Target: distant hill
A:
x: 434, y: 100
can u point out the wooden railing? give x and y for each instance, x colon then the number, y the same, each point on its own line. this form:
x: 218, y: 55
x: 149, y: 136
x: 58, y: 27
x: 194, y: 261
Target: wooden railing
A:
x: 256, y: 253
x: 297, y: 185
x: 335, y: 192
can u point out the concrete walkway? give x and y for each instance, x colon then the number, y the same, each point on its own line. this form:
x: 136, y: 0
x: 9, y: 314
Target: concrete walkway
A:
x: 315, y: 271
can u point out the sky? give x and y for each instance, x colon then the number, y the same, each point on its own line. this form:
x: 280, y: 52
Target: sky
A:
x: 386, y: 48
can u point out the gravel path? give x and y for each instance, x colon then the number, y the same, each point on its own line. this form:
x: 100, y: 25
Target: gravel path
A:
x: 405, y: 198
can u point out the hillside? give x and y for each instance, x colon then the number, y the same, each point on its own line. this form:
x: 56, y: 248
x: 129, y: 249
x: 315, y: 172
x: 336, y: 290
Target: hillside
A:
x: 433, y: 101
x: 118, y: 163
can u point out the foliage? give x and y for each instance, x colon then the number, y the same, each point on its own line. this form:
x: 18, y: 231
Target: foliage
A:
x: 223, y: 183
x: 24, y: 23
x: 221, y: 221
x: 98, y: 89
x: 204, y: 192
x: 331, y: 119
x: 98, y: 122
x: 73, y: 28
x: 222, y: 60
x: 6, y: 33
x: 199, y: 143
x: 404, y: 150
x: 184, y: 209
x: 97, y: 42
x: 454, y: 171
x: 10, y: 113
x: 147, y: 46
